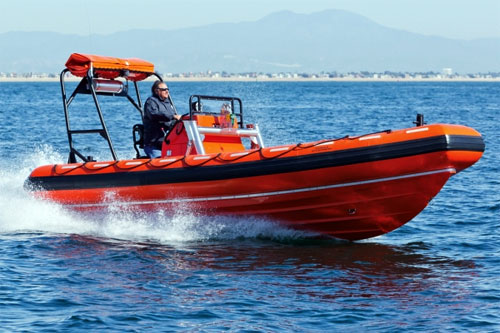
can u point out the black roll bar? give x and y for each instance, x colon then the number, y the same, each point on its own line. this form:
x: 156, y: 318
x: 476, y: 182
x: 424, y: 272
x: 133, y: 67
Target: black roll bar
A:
x: 86, y: 86
x: 199, y: 98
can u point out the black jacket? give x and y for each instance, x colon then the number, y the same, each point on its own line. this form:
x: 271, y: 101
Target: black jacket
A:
x: 158, y: 119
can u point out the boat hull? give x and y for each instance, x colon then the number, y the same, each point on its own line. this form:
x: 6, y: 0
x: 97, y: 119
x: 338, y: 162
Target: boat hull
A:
x: 350, y: 189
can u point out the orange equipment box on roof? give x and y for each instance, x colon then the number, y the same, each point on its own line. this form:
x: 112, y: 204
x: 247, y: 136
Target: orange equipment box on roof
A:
x: 109, y: 67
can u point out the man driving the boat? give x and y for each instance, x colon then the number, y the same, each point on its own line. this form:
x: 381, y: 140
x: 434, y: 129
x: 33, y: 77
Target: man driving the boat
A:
x: 159, y: 118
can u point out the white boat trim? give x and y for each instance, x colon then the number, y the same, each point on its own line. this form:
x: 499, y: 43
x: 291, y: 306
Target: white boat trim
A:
x: 239, y: 154
x: 69, y: 166
x: 266, y: 194
x: 201, y: 157
x: 272, y: 150
x: 369, y: 137
x: 417, y: 130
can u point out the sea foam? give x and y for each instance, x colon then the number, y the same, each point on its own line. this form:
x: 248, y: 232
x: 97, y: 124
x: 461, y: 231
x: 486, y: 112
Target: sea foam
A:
x: 20, y: 212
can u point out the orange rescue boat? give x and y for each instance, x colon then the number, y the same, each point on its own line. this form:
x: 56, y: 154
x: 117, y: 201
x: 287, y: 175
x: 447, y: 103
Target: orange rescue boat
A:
x: 212, y: 163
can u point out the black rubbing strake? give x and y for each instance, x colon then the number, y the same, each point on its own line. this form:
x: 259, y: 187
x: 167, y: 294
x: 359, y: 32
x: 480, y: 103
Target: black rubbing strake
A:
x: 263, y: 167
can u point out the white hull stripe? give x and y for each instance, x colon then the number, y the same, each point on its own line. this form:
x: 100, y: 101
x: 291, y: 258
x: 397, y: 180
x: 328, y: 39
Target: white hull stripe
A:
x: 272, y: 150
x: 417, y: 130
x: 266, y: 194
x: 325, y: 143
x: 168, y: 160
x: 69, y: 166
x: 239, y: 154
x: 371, y: 137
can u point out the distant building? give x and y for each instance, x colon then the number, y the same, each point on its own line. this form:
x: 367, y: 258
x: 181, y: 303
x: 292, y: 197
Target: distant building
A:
x: 447, y: 71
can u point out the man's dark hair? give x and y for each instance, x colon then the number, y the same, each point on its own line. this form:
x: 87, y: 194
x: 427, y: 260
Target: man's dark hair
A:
x: 154, y: 87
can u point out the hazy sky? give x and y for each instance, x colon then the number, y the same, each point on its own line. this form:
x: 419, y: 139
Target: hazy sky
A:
x: 464, y: 19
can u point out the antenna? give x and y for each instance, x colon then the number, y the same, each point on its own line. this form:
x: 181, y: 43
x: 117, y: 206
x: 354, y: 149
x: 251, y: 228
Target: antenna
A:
x: 89, y: 23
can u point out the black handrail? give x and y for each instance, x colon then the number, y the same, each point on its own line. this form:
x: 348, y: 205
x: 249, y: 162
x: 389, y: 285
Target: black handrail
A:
x: 199, y: 98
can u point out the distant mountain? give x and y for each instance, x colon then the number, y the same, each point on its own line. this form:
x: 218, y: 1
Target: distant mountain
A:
x: 331, y: 40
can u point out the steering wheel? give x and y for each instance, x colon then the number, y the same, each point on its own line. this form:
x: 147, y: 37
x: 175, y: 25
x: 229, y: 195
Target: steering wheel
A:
x: 179, y: 129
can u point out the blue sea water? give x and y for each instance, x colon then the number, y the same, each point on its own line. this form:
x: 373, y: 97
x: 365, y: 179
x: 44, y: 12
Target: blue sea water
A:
x: 125, y: 271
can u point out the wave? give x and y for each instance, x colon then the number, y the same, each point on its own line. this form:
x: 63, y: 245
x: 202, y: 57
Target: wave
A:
x: 19, y: 212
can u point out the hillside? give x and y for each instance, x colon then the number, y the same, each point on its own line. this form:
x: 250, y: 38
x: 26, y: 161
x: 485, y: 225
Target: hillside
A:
x: 330, y: 40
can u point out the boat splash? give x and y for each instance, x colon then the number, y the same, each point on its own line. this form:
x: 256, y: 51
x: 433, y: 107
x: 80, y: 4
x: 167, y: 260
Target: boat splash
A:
x: 21, y: 213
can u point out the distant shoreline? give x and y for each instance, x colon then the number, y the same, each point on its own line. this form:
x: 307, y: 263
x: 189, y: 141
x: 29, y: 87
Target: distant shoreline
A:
x: 263, y: 79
